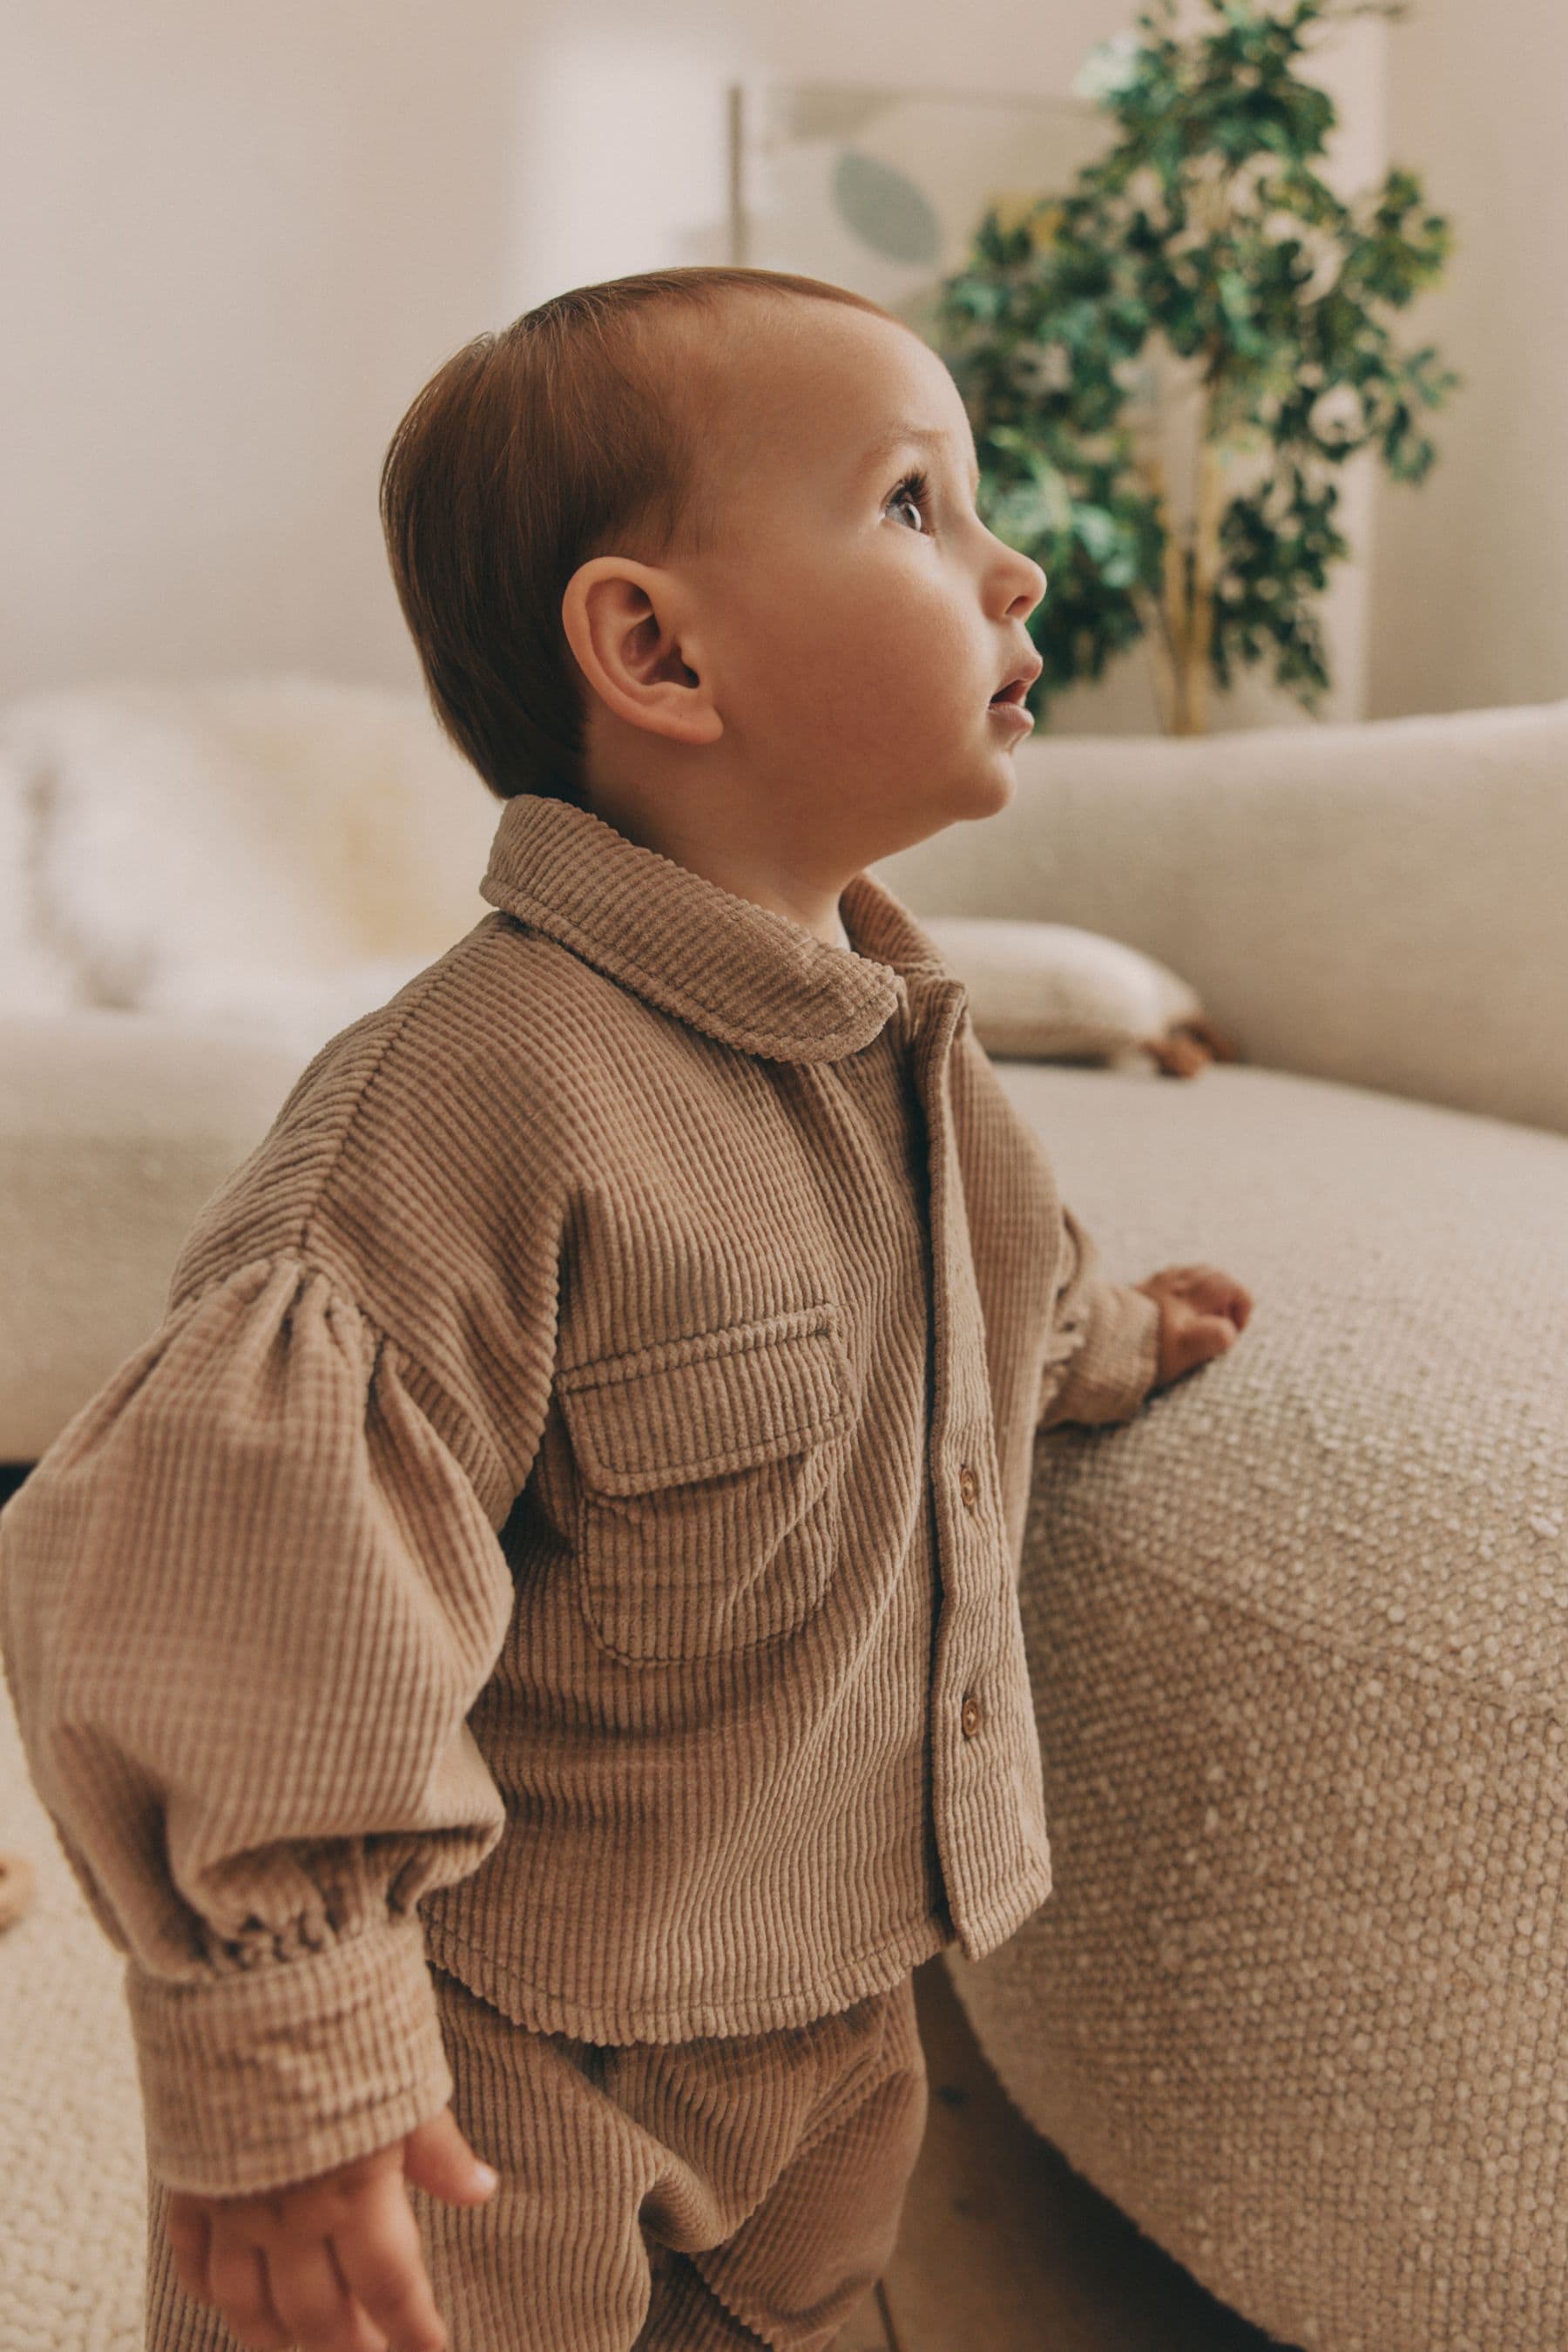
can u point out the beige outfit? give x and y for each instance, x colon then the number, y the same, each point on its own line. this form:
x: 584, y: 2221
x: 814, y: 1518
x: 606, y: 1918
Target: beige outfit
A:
x: 705, y: 2195
x: 566, y: 1526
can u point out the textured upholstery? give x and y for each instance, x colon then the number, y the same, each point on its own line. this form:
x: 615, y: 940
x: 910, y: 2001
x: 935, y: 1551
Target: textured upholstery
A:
x: 1299, y: 1639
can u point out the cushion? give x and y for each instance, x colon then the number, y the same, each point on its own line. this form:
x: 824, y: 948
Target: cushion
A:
x: 1050, y: 992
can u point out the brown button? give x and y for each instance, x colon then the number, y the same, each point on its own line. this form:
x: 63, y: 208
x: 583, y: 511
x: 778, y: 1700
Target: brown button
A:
x: 970, y: 1719
x: 968, y: 1486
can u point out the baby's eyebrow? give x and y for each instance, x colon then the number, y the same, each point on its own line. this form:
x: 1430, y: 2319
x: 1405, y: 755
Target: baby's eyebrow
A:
x: 900, y: 437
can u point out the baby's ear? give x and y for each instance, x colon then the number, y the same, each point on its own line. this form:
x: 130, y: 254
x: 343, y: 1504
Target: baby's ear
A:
x: 625, y: 635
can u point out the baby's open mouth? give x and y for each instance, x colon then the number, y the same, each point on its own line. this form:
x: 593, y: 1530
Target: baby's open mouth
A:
x: 1014, y: 693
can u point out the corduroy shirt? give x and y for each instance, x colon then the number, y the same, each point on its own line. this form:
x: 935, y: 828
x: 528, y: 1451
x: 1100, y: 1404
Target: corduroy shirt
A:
x: 566, y: 1526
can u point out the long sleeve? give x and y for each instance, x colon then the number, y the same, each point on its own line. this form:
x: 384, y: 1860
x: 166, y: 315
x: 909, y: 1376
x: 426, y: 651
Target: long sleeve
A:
x: 247, y: 1598
x: 1103, y: 1353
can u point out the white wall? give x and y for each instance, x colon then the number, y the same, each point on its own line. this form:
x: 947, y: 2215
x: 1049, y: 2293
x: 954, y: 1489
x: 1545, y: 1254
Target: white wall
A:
x: 242, y: 238
x: 1471, y: 567
x: 239, y: 239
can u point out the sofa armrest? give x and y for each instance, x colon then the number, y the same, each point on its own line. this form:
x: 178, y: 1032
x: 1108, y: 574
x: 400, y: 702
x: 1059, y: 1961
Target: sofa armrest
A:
x: 1378, y: 903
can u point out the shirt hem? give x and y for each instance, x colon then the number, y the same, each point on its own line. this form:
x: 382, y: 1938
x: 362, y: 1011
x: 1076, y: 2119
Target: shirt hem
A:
x: 979, y: 1936
x: 540, y: 2011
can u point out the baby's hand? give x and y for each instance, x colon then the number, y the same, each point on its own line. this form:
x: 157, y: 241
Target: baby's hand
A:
x: 332, y: 2263
x: 1201, y: 1313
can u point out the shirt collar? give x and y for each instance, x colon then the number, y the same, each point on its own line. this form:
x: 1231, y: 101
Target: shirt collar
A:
x: 751, y: 978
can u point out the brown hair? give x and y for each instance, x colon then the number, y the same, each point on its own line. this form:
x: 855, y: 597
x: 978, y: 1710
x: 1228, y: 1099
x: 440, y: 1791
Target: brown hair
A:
x: 529, y: 451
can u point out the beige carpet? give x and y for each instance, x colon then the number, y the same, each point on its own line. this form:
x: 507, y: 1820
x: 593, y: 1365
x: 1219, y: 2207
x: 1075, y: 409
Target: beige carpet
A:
x: 72, y: 2248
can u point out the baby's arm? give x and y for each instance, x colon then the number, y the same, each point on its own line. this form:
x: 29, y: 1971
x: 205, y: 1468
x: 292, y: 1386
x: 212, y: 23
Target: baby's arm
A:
x: 247, y: 1600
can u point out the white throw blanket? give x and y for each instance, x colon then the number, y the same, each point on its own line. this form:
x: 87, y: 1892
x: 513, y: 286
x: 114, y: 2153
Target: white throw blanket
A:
x: 179, y: 850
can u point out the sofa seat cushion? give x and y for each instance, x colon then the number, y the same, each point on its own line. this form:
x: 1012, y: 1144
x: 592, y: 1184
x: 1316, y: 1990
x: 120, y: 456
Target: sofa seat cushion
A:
x: 1298, y: 1633
x: 114, y: 1129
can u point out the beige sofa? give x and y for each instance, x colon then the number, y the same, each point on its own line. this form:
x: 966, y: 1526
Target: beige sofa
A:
x: 1298, y: 1631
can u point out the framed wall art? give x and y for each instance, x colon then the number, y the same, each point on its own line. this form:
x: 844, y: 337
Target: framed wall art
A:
x: 881, y: 189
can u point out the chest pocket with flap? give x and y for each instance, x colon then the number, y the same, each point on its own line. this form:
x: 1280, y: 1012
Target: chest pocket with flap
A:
x: 710, y: 1470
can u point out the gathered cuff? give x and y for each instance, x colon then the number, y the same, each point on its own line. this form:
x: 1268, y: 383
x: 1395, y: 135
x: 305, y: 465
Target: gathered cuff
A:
x: 259, y: 2078
x: 1113, y: 1370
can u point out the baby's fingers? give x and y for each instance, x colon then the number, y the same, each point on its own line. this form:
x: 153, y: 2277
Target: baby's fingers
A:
x: 241, y: 2293
x: 1212, y: 1291
x: 188, y: 2227
x: 322, y: 2311
x: 379, y: 2253
x: 1198, y: 1340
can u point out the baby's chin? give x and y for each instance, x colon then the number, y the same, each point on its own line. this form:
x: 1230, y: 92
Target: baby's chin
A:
x: 999, y: 782
x: 972, y: 790
x: 996, y: 763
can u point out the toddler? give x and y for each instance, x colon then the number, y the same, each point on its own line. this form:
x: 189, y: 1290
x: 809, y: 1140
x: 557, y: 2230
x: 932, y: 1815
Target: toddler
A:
x: 525, y: 1661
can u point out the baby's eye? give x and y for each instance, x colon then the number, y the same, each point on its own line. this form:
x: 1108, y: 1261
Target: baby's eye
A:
x: 913, y: 492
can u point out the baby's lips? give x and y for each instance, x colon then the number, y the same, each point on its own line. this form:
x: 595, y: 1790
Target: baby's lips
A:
x: 1016, y: 689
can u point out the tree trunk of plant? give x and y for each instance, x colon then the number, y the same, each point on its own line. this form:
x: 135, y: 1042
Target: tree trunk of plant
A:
x: 1179, y: 627
x: 1205, y: 571
x: 1164, y: 617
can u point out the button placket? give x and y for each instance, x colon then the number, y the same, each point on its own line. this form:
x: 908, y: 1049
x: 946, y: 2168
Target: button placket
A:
x: 958, y: 1782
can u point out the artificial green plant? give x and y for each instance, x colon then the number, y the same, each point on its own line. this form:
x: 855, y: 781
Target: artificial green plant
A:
x: 1203, y: 237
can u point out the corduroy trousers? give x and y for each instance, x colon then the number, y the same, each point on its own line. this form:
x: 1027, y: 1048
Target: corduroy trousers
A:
x: 705, y: 2195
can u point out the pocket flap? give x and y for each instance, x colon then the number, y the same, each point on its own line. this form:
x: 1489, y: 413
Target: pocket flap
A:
x: 711, y: 1402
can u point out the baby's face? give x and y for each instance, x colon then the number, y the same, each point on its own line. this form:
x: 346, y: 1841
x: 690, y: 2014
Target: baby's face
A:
x: 849, y: 637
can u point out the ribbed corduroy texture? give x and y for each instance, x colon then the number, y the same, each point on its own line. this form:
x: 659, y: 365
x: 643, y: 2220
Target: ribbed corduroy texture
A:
x: 700, y: 2195
x: 577, y: 1489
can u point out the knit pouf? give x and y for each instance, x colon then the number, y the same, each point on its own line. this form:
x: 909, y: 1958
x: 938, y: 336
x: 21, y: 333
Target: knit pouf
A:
x: 1297, y: 1635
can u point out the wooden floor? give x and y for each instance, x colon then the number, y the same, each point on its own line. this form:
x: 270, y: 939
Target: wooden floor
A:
x: 1003, y: 2247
